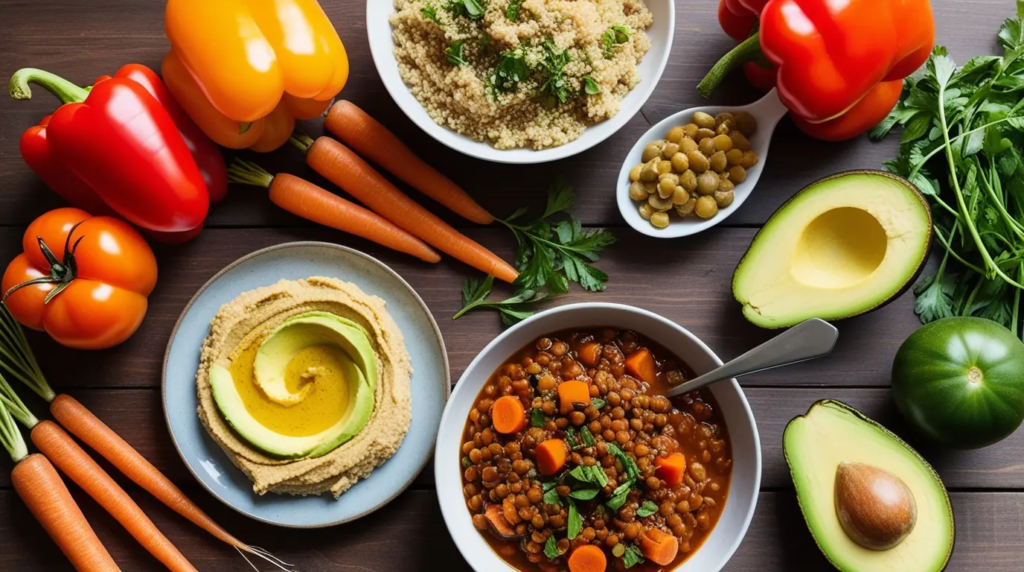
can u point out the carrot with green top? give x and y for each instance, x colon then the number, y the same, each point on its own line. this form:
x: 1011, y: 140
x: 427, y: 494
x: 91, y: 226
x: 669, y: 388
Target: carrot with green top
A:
x: 17, y: 359
x: 339, y: 165
x: 366, y: 136
x: 48, y: 498
x: 313, y: 203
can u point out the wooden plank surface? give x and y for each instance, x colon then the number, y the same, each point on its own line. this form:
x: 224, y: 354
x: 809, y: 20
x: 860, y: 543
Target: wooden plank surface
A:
x: 686, y: 281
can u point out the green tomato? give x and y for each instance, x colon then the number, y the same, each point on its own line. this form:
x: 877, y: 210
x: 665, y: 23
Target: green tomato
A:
x: 960, y: 382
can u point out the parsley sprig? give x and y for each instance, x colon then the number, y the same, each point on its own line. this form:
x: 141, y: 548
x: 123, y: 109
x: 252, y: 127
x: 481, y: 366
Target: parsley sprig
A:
x: 962, y: 145
x: 554, y: 253
x: 551, y: 254
x: 454, y: 54
x: 612, y: 37
x: 556, y: 85
x: 512, y: 11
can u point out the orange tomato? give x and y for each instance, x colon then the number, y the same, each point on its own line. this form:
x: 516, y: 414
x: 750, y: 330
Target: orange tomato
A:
x: 98, y: 291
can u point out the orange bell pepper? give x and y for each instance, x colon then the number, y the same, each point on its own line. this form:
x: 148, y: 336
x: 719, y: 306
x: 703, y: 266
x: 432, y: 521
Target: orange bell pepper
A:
x: 237, y: 65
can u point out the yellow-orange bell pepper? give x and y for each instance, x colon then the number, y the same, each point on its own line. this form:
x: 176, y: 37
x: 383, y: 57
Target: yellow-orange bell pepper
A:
x: 238, y: 65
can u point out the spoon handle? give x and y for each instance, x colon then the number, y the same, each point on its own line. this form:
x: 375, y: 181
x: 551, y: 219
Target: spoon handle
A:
x: 807, y: 340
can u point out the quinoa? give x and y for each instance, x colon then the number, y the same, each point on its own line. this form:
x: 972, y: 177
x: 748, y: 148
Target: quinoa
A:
x: 562, y: 47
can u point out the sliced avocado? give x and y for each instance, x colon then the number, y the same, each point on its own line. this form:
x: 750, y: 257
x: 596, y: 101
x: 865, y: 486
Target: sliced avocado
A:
x: 842, y: 246
x: 359, y: 364
x: 821, y: 447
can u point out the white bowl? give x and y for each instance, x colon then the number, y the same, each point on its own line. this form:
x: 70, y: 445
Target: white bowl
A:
x: 746, y: 449
x: 767, y: 111
x: 378, y: 30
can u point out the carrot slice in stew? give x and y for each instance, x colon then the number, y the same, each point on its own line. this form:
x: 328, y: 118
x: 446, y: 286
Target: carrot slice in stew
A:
x: 671, y: 468
x: 589, y: 353
x: 659, y: 546
x: 640, y: 364
x: 551, y: 456
x: 587, y: 558
x: 508, y: 415
x: 571, y: 393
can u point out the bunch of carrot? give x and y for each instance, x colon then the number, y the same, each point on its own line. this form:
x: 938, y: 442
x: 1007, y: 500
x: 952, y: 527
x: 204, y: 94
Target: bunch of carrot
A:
x: 393, y: 219
x: 45, y: 494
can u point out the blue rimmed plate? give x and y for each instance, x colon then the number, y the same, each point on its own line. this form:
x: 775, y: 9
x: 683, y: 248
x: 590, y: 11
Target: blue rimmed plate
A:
x: 431, y: 383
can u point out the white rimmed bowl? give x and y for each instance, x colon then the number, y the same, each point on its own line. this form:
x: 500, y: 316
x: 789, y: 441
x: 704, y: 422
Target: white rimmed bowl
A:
x: 767, y: 111
x: 378, y: 30
x: 746, y: 449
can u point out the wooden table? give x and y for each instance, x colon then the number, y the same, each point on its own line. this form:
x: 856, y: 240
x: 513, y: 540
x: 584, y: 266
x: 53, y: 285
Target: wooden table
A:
x: 685, y: 280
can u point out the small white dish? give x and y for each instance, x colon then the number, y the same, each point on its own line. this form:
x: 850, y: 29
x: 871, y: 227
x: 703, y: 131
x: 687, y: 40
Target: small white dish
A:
x: 378, y: 30
x: 767, y: 111
x: 732, y: 525
x: 212, y: 467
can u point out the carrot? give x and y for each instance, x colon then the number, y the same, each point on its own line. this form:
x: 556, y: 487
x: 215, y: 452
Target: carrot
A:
x: 570, y: 393
x: 640, y: 364
x: 587, y: 558
x: 49, y: 500
x: 74, y: 462
x: 16, y: 357
x: 659, y: 546
x: 304, y: 199
x: 344, y: 168
x: 508, y: 415
x: 670, y: 468
x: 550, y: 456
x: 589, y: 353
x: 364, y: 134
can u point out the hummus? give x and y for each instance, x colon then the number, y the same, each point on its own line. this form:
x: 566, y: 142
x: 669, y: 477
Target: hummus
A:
x: 242, y: 326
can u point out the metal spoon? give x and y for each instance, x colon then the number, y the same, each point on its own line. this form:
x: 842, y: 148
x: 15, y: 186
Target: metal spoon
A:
x: 805, y: 341
x: 767, y: 111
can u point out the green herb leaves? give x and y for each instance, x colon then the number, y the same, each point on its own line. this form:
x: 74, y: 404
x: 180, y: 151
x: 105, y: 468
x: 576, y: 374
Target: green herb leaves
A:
x: 475, y: 292
x: 551, y: 254
x: 454, y: 54
x: 550, y: 493
x: 646, y: 509
x: 468, y: 8
x: 511, y: 70
x: 620, y: 493
x: 590, y: 86
x: 537, y: 418
x: 555, y: 84
x: 512, y: 12
x: 612, y: 37
x: 575, y: 524
x: 962, y: 145
x: 551, y: 548
x: 429, y: 12
x: 632, y: 556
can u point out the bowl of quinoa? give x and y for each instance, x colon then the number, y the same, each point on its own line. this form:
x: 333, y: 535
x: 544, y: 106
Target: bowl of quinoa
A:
x: 520, y: 81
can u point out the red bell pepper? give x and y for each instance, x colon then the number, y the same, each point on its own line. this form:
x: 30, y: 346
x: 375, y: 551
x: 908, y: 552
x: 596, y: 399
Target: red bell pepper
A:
x: 120, y: 142
x: 837, y: 66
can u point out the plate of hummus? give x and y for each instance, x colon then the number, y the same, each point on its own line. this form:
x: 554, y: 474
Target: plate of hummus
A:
x: 304, y: 384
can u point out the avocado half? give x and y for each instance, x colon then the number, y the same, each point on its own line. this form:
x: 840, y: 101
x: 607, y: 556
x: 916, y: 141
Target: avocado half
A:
x: 842, y: 246
x: 832, y: 433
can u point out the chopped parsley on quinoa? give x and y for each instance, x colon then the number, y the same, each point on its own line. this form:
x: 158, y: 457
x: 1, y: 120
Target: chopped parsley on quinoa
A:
x: 520, y: 73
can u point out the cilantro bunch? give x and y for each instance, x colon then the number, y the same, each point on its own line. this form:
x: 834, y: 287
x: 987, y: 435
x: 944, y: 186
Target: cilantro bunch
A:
x: 962, y: 145
x: 554, y: 250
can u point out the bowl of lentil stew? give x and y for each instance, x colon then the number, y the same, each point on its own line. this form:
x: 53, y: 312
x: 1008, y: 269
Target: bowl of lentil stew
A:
x: 517, y: 470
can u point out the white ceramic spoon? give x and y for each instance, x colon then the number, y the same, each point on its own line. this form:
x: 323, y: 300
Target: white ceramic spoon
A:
x: 767, y: 111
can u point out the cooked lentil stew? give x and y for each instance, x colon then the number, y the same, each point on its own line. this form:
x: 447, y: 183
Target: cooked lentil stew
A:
x: 573, y: 458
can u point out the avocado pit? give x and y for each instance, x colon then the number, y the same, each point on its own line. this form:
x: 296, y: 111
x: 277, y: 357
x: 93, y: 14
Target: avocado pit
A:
x: 875, y: 507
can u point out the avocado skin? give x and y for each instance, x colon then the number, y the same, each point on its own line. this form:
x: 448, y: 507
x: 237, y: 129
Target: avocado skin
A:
x: 903, y: 289
x: 861, y: 417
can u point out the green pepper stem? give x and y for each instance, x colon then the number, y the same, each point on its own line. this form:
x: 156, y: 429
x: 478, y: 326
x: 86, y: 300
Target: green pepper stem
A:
x: 63, y: 89
x: 747, y: 51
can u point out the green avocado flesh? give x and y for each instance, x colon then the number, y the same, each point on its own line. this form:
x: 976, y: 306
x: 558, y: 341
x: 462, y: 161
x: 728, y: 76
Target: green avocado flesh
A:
x: 832, y: 433
x: 840, y: 247
x: 358, y: 364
